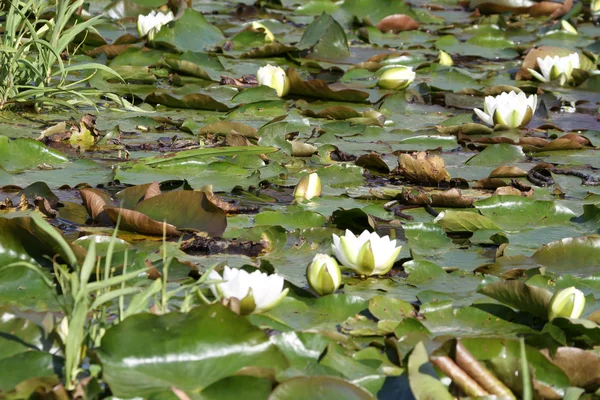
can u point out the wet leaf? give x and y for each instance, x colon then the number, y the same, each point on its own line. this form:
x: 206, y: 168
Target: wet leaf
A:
x: 325, y: 38
x: 318, y: 388
x: 521, y: 296
x: 143, y: 345
x: 190, y: 32
x: 320, y: 89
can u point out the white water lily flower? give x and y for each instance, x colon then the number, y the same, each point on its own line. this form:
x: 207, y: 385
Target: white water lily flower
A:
x: 152, y: 23
x: 566, y: 303
x: 367, y: 254
x: 308, y: 187
x: 510, y: 109
x: 552, y: 67
x: 323, y: 274
x: 256, y: 291
x: 273, y: 77
x: 396, y: 78
x: 595, y: 7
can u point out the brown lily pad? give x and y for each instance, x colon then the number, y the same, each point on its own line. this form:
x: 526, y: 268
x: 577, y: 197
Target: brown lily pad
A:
x: 397, y: 23
x: 135, y: 221
x: 95, y: 201
x: 423, y: 169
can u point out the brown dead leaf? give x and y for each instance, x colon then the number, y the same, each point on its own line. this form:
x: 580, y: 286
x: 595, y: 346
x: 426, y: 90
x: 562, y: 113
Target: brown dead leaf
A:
x: 134, y: 221
x: 578, y: 138
x: 509, y: 190
x: 423, y: 169
x: 581, y: 366
x: 555, y: 10
x: 234, y: 138
x: 507, y: 171
x: 153, y: 190
x: 452, y: 198
x: 373, y: 161
x: 95, y: 201
x: 489, y: 183
x: 397, y: 23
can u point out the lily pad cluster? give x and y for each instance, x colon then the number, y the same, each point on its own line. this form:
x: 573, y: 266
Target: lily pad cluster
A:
x: 309, y: 199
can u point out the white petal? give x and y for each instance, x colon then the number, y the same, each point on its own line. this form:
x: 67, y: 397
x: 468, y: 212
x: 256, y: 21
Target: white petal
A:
x: 487, y: 119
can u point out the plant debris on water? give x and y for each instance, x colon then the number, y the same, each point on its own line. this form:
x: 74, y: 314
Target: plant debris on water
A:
x: 299, y: 199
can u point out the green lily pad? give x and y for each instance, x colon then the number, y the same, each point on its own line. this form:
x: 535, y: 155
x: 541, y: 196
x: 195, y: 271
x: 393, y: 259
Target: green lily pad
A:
x: 190, y: 32
x: 211, y: 343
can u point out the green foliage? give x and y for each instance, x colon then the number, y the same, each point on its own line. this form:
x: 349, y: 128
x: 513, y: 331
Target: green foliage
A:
x: 32, y: 49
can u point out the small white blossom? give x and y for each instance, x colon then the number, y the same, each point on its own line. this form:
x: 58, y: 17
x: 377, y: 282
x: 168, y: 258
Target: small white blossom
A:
x: 152, y: 23
x: 256, y: 291
x: 273, y: 77
x: 552, y: 68
x: 367, y: 254
x: 509, y: 109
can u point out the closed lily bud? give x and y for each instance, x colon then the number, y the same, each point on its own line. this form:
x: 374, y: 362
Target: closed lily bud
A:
x: 445, y: 59
x: 63, y: 330
x: 308, y: 187
x: 509, y: 109
x: 273, y: 77
x: 269, y: 37
x: 567, y: 27
x: 566, y: 303
x: 323, y: 274
x: 396, y: 77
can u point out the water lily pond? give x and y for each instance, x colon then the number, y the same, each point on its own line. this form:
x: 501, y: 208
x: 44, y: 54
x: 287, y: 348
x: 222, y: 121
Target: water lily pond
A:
x: 299, y: 199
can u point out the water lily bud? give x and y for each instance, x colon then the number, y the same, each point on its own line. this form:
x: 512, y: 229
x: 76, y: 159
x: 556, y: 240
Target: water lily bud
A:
x: 269, y: 37
x: 566, y: 303
x: 556, y: 67
x: 63, y: 330
x: 509, y: 109
x: 396, y: 78
x: 308, y: 187
x: 323, y: 274
x: 273, y: 77
x: 256, y: 292
x: 567, y: 27
x: 445, y: 59
x: 367, y: 254
x: 152, y: 23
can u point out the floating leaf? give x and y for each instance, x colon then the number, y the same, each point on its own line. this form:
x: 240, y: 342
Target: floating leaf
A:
x: 190, y: 32
x: 325, y: 38
x: 320, y: 89
x: 141, y: 356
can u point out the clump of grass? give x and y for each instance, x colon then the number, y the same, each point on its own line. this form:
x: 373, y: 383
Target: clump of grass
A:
x: 37, y: 34
x: 92, y: 295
